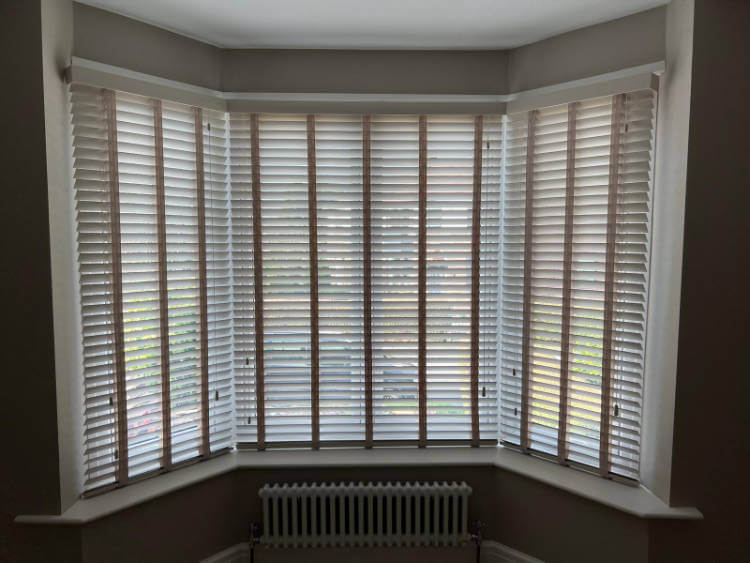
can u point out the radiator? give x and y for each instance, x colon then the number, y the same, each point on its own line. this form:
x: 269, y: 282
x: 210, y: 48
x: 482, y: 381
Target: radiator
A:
x: 357, y: 514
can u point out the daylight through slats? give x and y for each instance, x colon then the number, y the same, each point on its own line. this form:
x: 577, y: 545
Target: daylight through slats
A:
x: 154, y: 267
x: 282, y: 281
x: 121, y: 454
x: 161, y: 221
x: 527, y: 273
x: 574, y: 281
x: 570, y: 152
x: 203, y: 290
x: 609, y: 282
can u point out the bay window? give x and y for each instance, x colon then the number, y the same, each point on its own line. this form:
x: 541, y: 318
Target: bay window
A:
x: 279, y: 280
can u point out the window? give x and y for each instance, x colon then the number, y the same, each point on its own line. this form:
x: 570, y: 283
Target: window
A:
x: 261, y: 281
x: 153, y: 248
x: 349, y: 288
x: 574, y: 280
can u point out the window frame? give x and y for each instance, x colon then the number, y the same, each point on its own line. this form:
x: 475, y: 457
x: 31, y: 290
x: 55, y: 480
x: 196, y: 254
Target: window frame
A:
x: 107, y: 75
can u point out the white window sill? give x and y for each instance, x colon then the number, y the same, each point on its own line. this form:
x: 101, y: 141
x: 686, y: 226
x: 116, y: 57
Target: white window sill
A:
x: 637, y: 501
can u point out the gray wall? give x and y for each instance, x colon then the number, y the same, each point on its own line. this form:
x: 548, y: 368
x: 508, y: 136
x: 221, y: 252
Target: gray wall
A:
x: 116, y: 40
x: 553, y: 525
x: 199, y: 521
x: 29, y: 479
x: 398, y: 72
x: 710, y: 445
x: 598, y: 49
x: 712, y: 416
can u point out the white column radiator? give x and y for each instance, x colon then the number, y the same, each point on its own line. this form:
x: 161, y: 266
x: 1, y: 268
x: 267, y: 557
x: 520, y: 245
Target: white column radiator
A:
x: 357, y: 514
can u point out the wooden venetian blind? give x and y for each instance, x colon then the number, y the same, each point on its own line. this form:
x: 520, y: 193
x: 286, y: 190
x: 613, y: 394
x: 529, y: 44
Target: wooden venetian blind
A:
x: 346, y: 280
x: 574, y: 280
x: 340, y: 245
x: 360, y: 280
x: 244, y: 266
x: 463, y: 160
x: 153, y: 252
x: 346, y: 211
x: 394, y: 177
x: 285, y: 276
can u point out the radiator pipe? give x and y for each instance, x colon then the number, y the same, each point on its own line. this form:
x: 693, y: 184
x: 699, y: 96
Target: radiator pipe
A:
x: 476, y: 538
x: 255, y: 537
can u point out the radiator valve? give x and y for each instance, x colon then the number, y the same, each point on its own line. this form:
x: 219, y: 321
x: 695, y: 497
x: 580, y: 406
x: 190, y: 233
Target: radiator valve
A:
x: 256, y: 534
x: 476, y: 536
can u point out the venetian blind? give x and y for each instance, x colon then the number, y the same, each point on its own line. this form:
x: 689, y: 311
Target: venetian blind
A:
x: 574, y: 280
x: 394, y: 177
x: 281, y: 280
x: 340, y: 242
x: 153, y: 249
x: 245, y: 289
x: 460, y: 151
x: 345, y: 212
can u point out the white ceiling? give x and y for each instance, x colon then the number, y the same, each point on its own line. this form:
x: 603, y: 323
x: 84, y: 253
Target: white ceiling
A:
x: 373, y: 24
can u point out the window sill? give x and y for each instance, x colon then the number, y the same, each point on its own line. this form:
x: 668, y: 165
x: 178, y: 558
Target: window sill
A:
x: 637, y: 501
